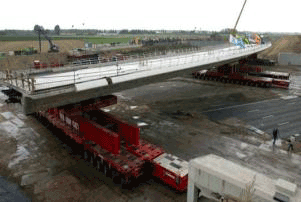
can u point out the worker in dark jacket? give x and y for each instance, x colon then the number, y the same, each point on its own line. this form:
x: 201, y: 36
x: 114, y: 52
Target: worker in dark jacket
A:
x: 275, y: 136
x: 291, y: 142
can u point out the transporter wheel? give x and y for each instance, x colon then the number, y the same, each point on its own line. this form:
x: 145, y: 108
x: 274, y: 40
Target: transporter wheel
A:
x: 99, y: 166
x: 92, y: 159
x: 116, y: 176
x: 107, y: 170
x: 123, y: 182
x: 86, y: 155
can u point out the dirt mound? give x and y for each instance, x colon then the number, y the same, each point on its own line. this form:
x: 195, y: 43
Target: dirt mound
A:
x: 25, y: 62
x: 284, y: 44
x: 65, y: 45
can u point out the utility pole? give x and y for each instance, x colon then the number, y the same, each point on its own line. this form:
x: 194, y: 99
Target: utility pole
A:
x: 40, y: 40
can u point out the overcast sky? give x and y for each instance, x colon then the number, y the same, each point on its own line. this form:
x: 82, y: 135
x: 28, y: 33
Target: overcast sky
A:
x: 258, y: 15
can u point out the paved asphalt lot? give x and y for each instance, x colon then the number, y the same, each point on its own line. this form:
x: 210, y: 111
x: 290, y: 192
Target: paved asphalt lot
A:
x: 9, y: 192
x: 282, y: 113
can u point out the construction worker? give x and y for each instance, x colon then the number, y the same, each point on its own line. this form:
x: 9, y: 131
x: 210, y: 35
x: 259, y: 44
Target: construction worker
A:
x: 275, y: 136
x: 291, y: 142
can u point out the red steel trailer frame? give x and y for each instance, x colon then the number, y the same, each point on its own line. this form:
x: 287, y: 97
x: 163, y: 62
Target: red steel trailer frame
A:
x: 118, y: 151
x: 129, y: 133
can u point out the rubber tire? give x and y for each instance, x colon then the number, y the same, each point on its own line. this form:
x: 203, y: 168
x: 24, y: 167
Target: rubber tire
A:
x: 85, y: 155
x: 99, y: 166
x: 92, y: 160
x: 105, y: 169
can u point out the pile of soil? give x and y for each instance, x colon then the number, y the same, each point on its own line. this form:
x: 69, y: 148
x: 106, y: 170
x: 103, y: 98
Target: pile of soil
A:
x: 26, y: 62
x: 284, y: 44
x: 65, y: 45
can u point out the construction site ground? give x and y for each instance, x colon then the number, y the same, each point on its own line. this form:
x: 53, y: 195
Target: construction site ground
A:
x: 48, y: 168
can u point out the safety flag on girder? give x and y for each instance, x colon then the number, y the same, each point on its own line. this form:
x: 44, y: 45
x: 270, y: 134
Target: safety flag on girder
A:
x: 237, y: 42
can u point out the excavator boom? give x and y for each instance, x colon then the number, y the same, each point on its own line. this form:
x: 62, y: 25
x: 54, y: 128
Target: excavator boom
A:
x: 53, y: 47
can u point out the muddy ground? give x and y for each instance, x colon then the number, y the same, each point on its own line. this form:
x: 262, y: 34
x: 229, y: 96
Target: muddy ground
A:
x: 49, y: 167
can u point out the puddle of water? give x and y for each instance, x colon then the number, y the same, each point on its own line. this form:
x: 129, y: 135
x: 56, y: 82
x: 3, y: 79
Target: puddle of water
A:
x: 11, y: 191
x: 140, y: 124
x: 3, y: 96
x: 26, y: 138
x: 241, y: 155
x: 9, y: 128
x: 168, y: 123
x: 17, y: 122
x: 22, y: 116
x: 3, y: 88
x: 20, y: 155
x: 8, y: 115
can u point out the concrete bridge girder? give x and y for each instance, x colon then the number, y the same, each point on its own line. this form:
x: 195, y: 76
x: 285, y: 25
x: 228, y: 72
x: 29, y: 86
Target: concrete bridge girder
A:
x: 69, y: 94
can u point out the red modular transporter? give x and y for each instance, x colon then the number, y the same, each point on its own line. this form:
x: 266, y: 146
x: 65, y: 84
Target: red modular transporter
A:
x: 172, y: 170
x: 100, y: 146
x: 114, y: 146
x: 246, y: 75
x: 281, y: 83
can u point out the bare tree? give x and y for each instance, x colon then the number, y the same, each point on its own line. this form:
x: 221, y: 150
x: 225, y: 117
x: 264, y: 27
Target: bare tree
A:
x: 36, y: 28
x: 57, y: 29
